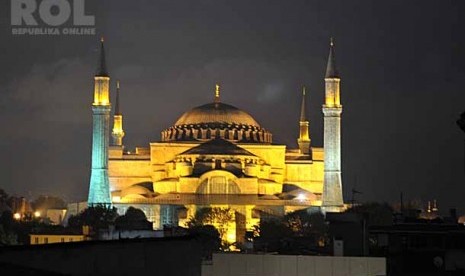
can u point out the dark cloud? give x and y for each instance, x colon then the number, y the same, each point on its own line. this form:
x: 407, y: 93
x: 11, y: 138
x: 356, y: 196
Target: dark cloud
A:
x: 402, y: 73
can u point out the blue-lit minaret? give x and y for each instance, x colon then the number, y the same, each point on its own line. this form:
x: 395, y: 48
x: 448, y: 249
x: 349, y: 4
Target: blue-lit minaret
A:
x: 99, y: 188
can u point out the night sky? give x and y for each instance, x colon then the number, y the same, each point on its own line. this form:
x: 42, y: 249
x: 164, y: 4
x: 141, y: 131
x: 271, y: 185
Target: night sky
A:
x: 402, y: 66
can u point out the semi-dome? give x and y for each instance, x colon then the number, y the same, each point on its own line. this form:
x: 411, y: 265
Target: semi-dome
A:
x: 216, y: 120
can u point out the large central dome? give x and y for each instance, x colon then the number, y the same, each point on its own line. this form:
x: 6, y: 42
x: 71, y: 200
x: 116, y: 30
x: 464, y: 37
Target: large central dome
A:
x: 216, y: 120
x: 216, y: 113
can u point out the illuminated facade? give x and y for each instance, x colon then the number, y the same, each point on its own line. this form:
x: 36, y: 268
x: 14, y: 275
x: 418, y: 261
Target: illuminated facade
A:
x: 55, y: 238
x: 217, y: 155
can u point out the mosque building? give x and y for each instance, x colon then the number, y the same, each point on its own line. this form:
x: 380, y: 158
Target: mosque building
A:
x: 216, y: 155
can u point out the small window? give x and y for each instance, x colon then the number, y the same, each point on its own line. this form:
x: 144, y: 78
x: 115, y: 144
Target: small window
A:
x: 70, y: 239
x: 217, y: 164
x: 36, y: 240
x: 62, y: 239
x: 45, y: 240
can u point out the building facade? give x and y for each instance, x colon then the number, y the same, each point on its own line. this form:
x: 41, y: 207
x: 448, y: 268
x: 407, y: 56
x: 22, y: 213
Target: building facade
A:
x: 55, y: 238
x: 217, y: 155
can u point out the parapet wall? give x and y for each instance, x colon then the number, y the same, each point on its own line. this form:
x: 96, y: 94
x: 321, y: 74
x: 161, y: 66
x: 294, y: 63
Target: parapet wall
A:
x: 285, y: 265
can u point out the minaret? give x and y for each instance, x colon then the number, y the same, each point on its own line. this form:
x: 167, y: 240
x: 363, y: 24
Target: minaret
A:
x: 304, y: 136
x: 332, y: 188
x: 99, y: 189
x: 118, y: 132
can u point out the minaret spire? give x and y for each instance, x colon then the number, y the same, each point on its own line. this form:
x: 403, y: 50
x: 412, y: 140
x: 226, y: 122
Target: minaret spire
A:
x: 117, y: 112
x: 332, y: 200
x: 303, y: 115
x: 304, y: 137
x: 117, y: 132
x: 217, y: 93
x: 102, y: 67
x: 331, y: 69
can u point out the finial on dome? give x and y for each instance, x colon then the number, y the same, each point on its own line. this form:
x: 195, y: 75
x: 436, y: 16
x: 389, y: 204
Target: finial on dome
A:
x: 217, y: 93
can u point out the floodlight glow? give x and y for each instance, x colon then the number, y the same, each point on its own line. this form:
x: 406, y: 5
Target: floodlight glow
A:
x: 301, y: 197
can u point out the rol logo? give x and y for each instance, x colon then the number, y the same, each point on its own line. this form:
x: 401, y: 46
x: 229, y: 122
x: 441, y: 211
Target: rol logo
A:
x: 49, y: 17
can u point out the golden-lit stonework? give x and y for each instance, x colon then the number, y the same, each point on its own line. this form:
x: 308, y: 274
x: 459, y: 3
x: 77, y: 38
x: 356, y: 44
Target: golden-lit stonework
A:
x: 217, y: 155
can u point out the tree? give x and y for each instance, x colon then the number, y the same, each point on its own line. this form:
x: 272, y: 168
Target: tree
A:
x: 208, y: 237
x: 305, y: 224
x: 272, y: 228
x: 6, y: 220
x: 3, y: 197
x: 377, y: 213
x: 220, y: 218
x: 295, y: 232
x: 97, y: 217
x: 7, y: 237
x: 17, y: 231
x: 133, y: 219
x: 270, y: 234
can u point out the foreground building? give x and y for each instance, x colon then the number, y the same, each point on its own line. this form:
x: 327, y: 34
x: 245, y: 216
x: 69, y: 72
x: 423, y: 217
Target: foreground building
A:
x: 291, y: 265
x: 155, y: 256
x: 46, y: 238
x: 170, y: 257
x: 216, y: 155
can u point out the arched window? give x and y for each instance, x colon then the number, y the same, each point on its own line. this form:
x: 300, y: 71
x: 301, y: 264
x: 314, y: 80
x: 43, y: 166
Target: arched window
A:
x: 218, y: 185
